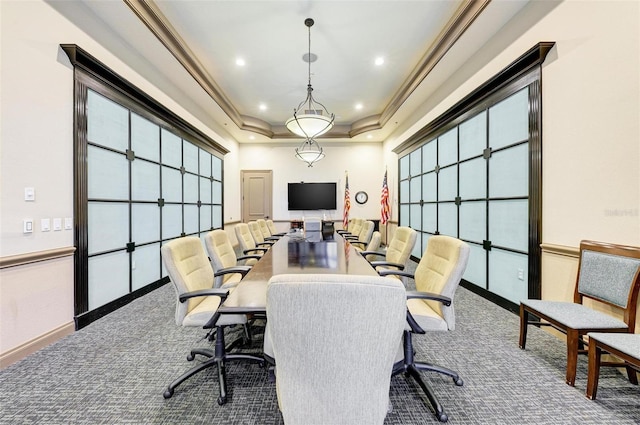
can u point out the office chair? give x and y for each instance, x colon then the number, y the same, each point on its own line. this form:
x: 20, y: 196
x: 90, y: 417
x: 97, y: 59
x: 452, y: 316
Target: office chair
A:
x: 223, y: 259
x: 273, y: 230
x: 247, y: 243
x: 354, y: 227
x: 334, y: 340
x: 258, y: 237
x: 430, y: 308
x: 197, y: 303
x: 266, y: 232
x: 398, y: 252
x: 363, y: 237
x: 373, y: 245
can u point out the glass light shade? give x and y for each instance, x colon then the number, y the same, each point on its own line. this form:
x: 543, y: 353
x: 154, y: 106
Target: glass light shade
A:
x: 309, y: 125
x: 309, y: 152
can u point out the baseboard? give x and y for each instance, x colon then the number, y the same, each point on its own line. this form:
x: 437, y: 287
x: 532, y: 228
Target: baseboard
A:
x: 22, y: 351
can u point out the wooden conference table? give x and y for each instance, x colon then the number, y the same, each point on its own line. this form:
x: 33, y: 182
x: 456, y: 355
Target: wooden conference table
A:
x: 291, y: 254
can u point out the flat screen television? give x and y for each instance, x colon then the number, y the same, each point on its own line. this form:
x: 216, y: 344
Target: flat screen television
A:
x: 312, y: 196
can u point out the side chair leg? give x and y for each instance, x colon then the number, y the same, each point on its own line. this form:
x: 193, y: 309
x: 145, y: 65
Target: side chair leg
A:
x: 594, y: 370
x: 572, y: 355
x: 524, y: 319
x: 437, y: 407
x: 632, y: 374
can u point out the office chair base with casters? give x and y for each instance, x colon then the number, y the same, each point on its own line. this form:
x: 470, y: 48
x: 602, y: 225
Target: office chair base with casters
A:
x: 217, y: 357
x: 411, y: 368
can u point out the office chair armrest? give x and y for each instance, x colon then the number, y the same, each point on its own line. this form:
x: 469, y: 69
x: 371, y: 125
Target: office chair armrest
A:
x: 340, y: 232
x: 269, y: 243
x: 271, y: 238
x: 350, y: 237
x: 246, y: 257
x: 247, y: 251
x: 243, y: 270
x: 387, y: 264
x: 359, y: 243
x: 389, y: 272
x: 279, y: 234
x: 218, y: 292
x: 382, y: 254
x: 429, y: 296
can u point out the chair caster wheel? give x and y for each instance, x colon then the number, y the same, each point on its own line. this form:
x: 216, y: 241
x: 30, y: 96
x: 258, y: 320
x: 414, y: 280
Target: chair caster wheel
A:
x: 459, y: 382
x: 190, y: 357
x: 442, y: 417
x: 168, y: 393
x: 222, y: 400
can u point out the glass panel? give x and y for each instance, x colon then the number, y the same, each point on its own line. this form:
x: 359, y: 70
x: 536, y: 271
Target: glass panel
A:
x: 107, y: 122
x: 447, y: 184
x: 415, y: 163
x: 404, y: 215
x: 171, y: 149
x: 190, y: 188
x: 217, y: 167
x: 415, y: 221
x: 476, y: 271
x: 107, y: 173
x: 205, y: 190
x: 108, y: 226
x: 429, y: 218
x: 145, y: 181
x: 415, y: 189
x: 473, y: 179
x: 509, y: 172
x: 145, y: 138
x: 504, y: 268
x: 146, y: 268
x: 190, y: 157
x: 429, y: 187
x: 217, y: 192
x: 205, y: 217
x: 473, y: 221
x: 448, y: 219
x: 171, y: 185
x: 191, y: 215
x: 473, y: 136
x: 404, y: 191
x: 448, y: 147
x: 145, y: 223
x: 217, y: 217
x: 429, y: 156
x: 108, y: 278
x: 509, y: 120
x: 509, y: 224
x: 205, y: 163
x: 404, y: 167
x: 171, y: 221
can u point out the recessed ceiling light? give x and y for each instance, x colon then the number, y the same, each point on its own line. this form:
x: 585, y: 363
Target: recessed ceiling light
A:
x: 369, y: 136
x: 358, y: 106
x: 240, y: 62
x: 262, y: 107
x: 379, y: 61
x: 252, y: 137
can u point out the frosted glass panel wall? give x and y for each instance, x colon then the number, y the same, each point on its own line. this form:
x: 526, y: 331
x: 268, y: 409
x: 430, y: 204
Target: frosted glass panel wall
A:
x: 145, y: 185
x: 474, y: 185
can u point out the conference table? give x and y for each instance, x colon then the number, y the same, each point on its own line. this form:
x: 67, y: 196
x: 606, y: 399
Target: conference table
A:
x: 293, y: 254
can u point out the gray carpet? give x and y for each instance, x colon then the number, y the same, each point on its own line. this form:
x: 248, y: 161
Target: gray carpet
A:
x: 115, y: 370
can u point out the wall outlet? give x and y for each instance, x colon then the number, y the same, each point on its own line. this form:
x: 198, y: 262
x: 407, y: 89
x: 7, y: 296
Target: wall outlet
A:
x: 27, y: 225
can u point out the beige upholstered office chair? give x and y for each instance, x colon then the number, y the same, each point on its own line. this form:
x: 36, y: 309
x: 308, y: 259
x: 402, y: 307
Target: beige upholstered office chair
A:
x: 363, y: 237
x: 258, y: 237
x: 247, y: 244
x: 430, y: 308
x: 398, y: 252
x: 273, y: 230
x: 266, y: 232
x: 197, y: 303
x: 223, y: 259
x: 334, y: 366
x: 373, y: 245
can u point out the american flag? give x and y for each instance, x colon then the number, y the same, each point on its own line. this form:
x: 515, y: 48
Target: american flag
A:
x: 384, y: 201
x: 347, y: 204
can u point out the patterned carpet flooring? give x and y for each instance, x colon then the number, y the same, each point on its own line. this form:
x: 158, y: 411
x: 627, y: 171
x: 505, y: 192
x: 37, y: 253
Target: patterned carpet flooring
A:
x: 115, y: 370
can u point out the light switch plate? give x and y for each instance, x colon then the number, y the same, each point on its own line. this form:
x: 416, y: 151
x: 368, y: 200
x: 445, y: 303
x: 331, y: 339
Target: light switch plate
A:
x: 29, y: 194
x: 27, y: 225
x: 57, y: 224
x: 68, y: 223
x: 45, y: 225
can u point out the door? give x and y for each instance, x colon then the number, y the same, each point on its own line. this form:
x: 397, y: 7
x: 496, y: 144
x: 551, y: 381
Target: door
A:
x: 257, y: 193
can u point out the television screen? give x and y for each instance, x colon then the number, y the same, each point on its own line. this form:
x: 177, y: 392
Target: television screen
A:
x: 312, y: 196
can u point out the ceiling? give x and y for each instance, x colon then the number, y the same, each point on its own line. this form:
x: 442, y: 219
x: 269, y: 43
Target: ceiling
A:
x: 190, y: 49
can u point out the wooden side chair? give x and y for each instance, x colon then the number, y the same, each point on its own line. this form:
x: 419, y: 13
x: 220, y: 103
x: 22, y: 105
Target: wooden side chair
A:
x: 622, y: 345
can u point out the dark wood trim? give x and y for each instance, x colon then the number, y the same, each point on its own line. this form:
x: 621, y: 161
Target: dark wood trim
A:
x: 535, y: 187
x: 80, y: 200
x: 518, y: 68
x: 80, y: 59
x: 494, y: 298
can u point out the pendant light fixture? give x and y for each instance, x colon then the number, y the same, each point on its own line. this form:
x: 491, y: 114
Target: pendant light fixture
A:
x: 311, y: 118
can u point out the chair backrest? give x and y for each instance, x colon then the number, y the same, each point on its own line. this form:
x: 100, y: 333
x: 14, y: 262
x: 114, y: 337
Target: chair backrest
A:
x: 189, y: 270
x: 401, y: 245
x: 373, y: 244
x: 243, y: 234
x: 256, y: 232
x: 610, y: 274
x: 264, y: 228
x: 440, y: 271
x: 221, y: 253
x: 334, y: 366
x: 272, y: 227
x: 366, y: 231
x: 355, y: 226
